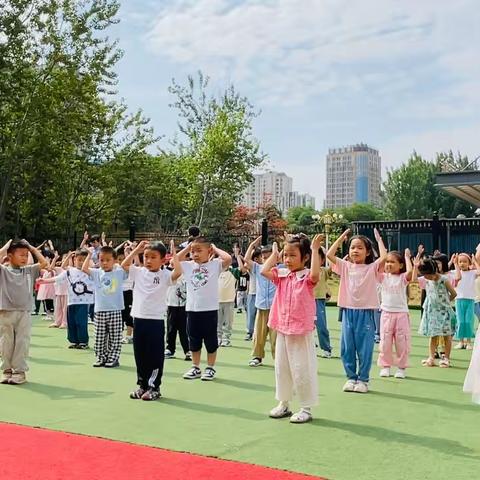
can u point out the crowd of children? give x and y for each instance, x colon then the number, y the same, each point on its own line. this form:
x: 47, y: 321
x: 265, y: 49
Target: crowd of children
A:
x: 192, y: 292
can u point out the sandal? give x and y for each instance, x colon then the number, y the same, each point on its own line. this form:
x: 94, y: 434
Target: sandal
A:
x: 444, y: 362
x: 301, y: 417
x: 428, y: 362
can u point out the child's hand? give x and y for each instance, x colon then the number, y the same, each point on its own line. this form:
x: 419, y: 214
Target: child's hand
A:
x: 257, y: 242
x: 7, y: 245
x: 85, y: 235
x: 236, y: 250
x: 142, y: 246
x: 317, y: 242
x: 173, y: 250
x: 345, y: 234
x: 275, y: 248
x: 408, y: 253
x: 378, y: 237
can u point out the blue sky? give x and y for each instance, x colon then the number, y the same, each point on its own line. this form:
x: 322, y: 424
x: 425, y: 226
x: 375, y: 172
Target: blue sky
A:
x: 396, y: 74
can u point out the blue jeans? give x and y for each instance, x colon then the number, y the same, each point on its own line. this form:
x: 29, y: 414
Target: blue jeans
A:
x: 77, y: 324
x: 358, y: 335
x: 251, y: 313
x: 321, y: 323
x: 376, y: 316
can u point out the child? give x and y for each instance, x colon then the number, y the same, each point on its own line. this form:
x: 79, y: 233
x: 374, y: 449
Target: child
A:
x: 201, y: 276
x: 320, y: 293
x: 465, y: 300
x: 46, y: 292
x: 293, y: 318
x: 394, y: 320
x: 79, y: 298
x: 226, y: 298
x: 107, y: 282
x: 16, y: 287
x: 149, y: 310
x: 472, y: 379
x: 437, y: 313
x: 358, y: 299
x: 265, y: 291
x: 177, y: 319
x: 251, y: 296
x: 61, y: 300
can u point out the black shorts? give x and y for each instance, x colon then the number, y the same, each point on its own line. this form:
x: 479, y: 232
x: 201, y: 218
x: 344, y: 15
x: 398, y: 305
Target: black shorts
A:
x: 202, y: 329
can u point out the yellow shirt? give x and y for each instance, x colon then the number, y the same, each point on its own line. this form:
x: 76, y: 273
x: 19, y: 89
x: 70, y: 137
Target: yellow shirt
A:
x: 321, y: 289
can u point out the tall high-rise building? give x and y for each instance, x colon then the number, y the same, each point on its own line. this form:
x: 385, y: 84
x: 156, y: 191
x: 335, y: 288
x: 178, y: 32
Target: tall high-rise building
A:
x: 274, y: 188
x: 353, y: 176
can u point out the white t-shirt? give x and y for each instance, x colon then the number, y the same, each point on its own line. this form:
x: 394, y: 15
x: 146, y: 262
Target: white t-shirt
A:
x: 466, y: 286
x: 80, y: 286
x: 177, y: 294
x: 394, y: 292
x: 252, y: 285
x: 202, y: 285
x: 149, y: 292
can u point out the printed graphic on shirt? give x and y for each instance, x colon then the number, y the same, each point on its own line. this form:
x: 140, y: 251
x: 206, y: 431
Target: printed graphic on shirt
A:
x: 199, y: 277
x: 109, y: 285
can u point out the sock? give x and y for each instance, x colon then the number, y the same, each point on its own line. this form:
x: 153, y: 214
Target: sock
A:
x: 283, y: 404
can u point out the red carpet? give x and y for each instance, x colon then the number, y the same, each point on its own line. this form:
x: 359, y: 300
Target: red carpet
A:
x: 36, y: 454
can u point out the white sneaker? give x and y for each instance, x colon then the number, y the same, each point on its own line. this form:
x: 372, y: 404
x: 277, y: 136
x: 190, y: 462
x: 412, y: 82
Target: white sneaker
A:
x: 303, y: 416
x: 280, y: 411
x: 469, y: 347
x: 459, y: 346
x: 349, y: 386
x: 226, y: 343
x: 326, y: 354
x: 385, y: 372
x: 400, y: 373
x: 361, y: 387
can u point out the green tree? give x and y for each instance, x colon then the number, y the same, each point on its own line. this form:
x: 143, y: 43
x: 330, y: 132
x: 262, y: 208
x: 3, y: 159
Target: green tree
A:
x: 216, y: 151
x: 361, y: 211
x: 299, y: 219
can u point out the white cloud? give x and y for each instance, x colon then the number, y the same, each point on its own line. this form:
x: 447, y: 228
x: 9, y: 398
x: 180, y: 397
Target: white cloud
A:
x: 287, y: 51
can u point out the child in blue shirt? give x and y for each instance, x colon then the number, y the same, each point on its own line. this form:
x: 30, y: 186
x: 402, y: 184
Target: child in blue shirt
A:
x: 108, y: 281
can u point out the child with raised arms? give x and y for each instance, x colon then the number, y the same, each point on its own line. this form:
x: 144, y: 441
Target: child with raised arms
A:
x: 149, y: 311
x: 201, y: 275
x: 357, y: 297
x: 395, y: 320
x: 292, y: 316
x: 16, y: 286
x: 107, y: 281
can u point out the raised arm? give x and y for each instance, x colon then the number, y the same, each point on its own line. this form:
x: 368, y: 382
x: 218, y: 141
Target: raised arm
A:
x: 4, y: 249
x: 272, y: 260
x: 315, y: 263
x: 67, y: 259
x: 249, y: 252
x: 86, y: 263
x: 177, y: 266
x: 84, y: 239
x: 416, y: 264
x: 41, y: 260
x: 224, y: 256
x: 331, y: 254
x: 131, y: 256
x: 382, y: 250
x: 458, y: 273
x: 408, y: 264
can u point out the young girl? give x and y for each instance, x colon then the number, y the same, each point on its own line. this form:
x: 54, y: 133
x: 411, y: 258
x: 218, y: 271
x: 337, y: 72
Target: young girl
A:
x: 437, y: 313
x: 472, y: 379
x: 358, y: 299
x: 394, y: 320
x: 292, y: 316
x: 465, y: 301
x: 61, y: 291
x: 320, y: 293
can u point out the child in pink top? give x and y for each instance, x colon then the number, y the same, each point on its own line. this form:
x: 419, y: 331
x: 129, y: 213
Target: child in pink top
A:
x: 358, y: 300
x: 293, y: 317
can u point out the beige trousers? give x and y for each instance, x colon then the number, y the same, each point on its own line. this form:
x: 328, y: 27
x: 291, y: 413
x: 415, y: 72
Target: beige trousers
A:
x: 15, y: 330
x: 260, y: 334
x: 296, y: 369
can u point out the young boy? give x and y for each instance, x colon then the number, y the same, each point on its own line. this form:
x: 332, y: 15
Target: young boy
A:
x: 252, y: 293
x: 149, y: 311
x: 16, y: 287
x: 80, y: 297
x: 201, y: 275
x: 265, y: 291
x: 107, y: 281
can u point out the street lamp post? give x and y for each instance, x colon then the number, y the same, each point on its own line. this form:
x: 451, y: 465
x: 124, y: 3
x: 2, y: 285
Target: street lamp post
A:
x: 328, y: 221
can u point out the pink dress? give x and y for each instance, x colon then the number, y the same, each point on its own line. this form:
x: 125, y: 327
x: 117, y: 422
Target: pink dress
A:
x: 46, y: 291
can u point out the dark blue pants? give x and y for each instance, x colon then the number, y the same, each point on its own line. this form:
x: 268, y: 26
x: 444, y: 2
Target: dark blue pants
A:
x: 321, y: 324
x: 149, y: 351
x: 77, y: 324
x: 358, y: 339
x: 251, y: 312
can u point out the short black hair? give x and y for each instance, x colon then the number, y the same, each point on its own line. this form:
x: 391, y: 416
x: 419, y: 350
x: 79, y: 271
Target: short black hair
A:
x: 302, y: 242
x: 266, y: 249
x: 256, y: 253
x: 109, y: 250
x: 428, y: 266
x: 95, y: 238
x: 193, y: 231
x: 81, y: 252
x: 321, y: 254
x: 400, y: 259
x: 159, y: 247
x: 443, y: 259
x: 17, y: 245
x: 201, y: 240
